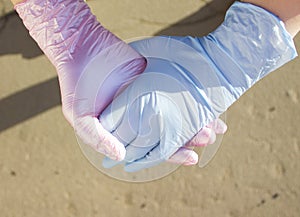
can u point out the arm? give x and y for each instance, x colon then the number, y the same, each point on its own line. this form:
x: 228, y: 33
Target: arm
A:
x: 92, y: 64
x: 194, y: 80
x: 287, y: 11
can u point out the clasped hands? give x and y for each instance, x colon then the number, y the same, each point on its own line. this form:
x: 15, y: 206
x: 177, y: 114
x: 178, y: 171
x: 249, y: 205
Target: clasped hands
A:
x: 169, y: 91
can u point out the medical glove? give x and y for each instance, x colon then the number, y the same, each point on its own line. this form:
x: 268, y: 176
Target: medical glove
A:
x: 189, y: 82
x: 92, y: 64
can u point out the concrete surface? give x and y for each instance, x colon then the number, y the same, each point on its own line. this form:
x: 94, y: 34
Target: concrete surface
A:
x: 5, y: 7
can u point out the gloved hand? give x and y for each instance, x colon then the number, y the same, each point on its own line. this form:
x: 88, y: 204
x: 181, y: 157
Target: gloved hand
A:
x: 189, y: 82
x: 206, y: 136
x: 92, y: 64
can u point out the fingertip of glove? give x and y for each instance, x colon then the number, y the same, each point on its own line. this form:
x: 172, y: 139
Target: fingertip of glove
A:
x: 122, y: 153
x: 130, y: 170
x: 119, y: 152
x: 192, y: 159
x: 108, y: 163
x: 218, y: 126
x: 185, y: 157
x: 133, y: 168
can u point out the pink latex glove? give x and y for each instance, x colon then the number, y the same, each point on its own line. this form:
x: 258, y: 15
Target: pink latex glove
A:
x: 92, y: 66
x: 206, y: 136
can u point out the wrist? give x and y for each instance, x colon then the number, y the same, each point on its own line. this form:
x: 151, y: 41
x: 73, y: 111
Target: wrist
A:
x: 287, y: 11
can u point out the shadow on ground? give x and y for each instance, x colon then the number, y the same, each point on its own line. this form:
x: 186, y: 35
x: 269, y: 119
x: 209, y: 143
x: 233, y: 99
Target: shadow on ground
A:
x: 14, y: 39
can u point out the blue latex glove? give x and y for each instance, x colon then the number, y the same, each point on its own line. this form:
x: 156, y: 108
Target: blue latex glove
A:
x: 189, y: 82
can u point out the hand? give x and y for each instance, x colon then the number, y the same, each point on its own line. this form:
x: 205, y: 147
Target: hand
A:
x: 78, y: 57
x: 189, y: 82
x: 92, y: 64
x: 185, y: 155
x: 157, y: 112
x: 206, y: 136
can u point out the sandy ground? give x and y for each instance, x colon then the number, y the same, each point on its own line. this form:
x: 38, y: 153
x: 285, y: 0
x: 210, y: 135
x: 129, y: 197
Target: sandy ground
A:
x: 43, y: 173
